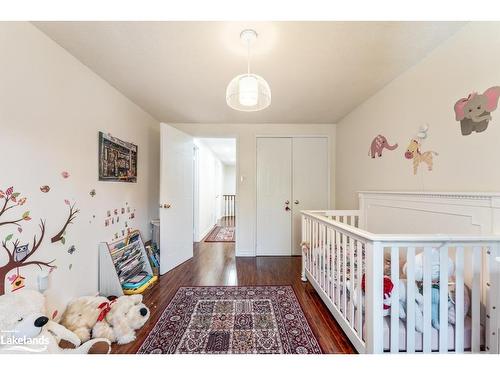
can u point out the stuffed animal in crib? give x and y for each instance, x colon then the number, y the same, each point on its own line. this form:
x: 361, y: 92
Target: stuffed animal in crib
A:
x: 387, y: 302
x: 388, y: 292
x: 98, y: 317
x: 25, y: 328
x: 435, y: 293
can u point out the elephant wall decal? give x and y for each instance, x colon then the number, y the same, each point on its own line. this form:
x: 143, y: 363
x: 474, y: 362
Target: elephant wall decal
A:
x: 474, y: 112
x: 378, y: 144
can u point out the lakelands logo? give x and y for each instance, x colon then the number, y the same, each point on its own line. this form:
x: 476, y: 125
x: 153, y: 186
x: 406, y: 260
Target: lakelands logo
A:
x: 11, y: 342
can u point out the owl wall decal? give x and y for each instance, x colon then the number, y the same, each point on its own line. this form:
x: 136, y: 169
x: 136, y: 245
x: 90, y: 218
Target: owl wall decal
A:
x: 21, y: 252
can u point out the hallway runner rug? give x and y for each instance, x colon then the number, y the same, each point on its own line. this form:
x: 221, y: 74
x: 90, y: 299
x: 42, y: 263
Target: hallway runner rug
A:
x: 221, y: 234
x: 232, y: 320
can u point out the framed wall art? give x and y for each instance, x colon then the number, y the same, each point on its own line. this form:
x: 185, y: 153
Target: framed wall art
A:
x: 117, y: 159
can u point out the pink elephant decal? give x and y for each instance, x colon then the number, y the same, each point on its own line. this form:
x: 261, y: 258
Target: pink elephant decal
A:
x: 378, y: 145
x: 474, y: 111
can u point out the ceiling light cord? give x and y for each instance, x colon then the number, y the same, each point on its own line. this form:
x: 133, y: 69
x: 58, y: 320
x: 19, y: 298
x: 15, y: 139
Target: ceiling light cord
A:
x: 248, y: 57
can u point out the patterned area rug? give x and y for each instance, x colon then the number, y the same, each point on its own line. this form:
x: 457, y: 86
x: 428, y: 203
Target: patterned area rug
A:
x: 221, y: 234
x: 232, y: 320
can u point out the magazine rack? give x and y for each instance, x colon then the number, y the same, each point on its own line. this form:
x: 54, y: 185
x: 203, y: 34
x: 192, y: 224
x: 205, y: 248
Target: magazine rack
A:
x: 120, y: 261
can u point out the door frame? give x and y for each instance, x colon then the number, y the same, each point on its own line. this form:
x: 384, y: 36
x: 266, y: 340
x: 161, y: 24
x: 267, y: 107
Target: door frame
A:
x: 330, y: 154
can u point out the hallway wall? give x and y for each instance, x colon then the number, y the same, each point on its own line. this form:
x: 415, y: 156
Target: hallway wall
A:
x: 229, y: 174
x: 210, y: 179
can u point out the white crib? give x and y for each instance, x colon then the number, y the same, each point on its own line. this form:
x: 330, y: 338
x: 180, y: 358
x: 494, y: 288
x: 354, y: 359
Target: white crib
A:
x: 341, y: 249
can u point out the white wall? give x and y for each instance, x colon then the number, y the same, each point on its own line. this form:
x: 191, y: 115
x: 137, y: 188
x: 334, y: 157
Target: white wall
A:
x: 426, y: 93
x: 245, y: 135
x: 52, y: 108
x: 210, y: 177
x: 229, y: 185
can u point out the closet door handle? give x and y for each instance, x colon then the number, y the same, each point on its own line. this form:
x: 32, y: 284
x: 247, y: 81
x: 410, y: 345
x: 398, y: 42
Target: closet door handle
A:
x: 287, y: 202
x: 296, y: 201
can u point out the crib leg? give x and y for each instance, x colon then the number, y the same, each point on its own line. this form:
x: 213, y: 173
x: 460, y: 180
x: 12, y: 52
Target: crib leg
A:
x: 303, y: 273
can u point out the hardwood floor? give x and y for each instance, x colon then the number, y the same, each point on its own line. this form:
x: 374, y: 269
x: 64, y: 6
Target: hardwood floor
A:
x: 215, y: 264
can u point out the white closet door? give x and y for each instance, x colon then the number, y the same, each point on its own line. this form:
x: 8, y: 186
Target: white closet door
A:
x: 310, y: 181
x: 176, y: 198
x: 274, y: 189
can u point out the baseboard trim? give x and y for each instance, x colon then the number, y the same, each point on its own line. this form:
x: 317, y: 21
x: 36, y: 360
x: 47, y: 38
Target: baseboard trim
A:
x: 244, y: 253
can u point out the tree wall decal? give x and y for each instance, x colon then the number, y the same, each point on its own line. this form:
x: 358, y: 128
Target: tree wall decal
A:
x: 72, y: 214
x: 12, y: 200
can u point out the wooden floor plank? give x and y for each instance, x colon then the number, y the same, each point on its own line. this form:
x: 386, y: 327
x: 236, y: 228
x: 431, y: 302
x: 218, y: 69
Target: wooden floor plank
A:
x: 215, y: 264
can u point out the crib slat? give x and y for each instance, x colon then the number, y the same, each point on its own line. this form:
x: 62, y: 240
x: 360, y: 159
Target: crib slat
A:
x: 351, y: 280
x: 427, y: 300
x: 316, y: 252
x: 329, y: 263
x: 337, y: 269
x: 344, y: 276
x: 311, y: 252
x: 374, y: 298
x: 490, y: 286
x: 459, y: 299
x: 476, y: 298
x: 410, y: 300
x: 309, y: 243
x: 325, y: 258
x: 322, y: 256
x: 359, y: 312
x: 395, y: 300
x: 303, y: 239
x: 443, y: 300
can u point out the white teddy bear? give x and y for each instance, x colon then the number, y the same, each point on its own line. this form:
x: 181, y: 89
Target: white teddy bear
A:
x: 24, y: 328
x: 114, y: 320
x: 126, y: 314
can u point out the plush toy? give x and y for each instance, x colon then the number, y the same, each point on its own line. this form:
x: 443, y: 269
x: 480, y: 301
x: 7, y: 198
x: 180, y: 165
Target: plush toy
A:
x: 119, y: 320
x: 24, y: 328
x: 435, y: 293
x: 114, y: 320
x: 387, y: 302
x: 81, y: 315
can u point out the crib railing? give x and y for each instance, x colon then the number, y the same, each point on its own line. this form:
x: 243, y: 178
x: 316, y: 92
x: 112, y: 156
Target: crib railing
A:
x: 349, y: 268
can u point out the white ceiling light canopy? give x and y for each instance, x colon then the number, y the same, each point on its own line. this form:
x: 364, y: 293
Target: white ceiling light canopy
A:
x: 248, y: 92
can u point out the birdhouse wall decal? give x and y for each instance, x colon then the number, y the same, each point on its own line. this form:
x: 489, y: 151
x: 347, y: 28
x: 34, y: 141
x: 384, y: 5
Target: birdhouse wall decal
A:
x: 16, y: 282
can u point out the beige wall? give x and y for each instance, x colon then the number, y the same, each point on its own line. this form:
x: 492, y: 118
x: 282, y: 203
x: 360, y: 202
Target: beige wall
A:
x: 426, y: 93
x: 51, y: 110
x: 245, y: 135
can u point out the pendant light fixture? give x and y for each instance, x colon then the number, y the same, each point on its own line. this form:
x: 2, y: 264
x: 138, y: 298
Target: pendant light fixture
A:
x: 248, y: 92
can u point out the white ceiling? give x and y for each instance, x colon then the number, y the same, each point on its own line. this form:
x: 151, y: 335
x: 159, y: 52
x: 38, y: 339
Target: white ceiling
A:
x: 223, y: 148
x: 318, y: 71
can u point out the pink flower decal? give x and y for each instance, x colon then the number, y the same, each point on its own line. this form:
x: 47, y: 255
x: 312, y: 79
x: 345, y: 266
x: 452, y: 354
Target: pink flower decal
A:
x: 65, y: 174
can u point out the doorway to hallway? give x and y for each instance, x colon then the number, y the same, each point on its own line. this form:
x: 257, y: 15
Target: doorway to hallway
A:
x: 214, y: 192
